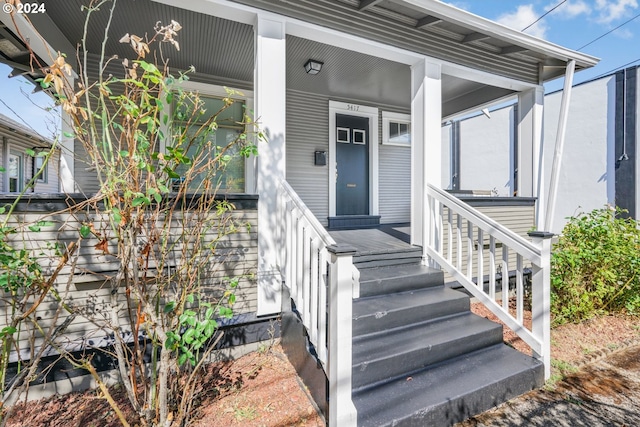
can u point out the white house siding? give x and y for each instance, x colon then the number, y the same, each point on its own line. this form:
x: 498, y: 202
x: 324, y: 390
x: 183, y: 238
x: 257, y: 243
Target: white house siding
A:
x: 587, y: 175
x: 89, y: 289
x: 10, y: 140
x: 394, y: 182
x: 485, y: 153
x: 308, y: 132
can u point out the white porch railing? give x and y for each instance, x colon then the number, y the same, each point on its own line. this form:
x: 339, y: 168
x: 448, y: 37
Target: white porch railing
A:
x: 467, y: 243
x: 320, y: 276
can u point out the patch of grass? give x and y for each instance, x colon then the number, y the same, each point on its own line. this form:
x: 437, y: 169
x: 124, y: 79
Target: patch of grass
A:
x: 245, y: 413
x: 560, y: 369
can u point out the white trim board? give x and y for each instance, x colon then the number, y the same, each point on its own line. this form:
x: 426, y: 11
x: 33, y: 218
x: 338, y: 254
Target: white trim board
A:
x: 371, y: 113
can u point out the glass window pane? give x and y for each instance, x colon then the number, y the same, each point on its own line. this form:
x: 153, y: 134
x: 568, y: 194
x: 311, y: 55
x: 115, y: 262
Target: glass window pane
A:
x: 229, y: 175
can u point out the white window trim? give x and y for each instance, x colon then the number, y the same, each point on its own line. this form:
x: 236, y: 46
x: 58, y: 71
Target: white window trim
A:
x: 43, y: 178
x: 246, y: 96
x: 349, y: 109
x: 16, y: 150
x: 388, y: 117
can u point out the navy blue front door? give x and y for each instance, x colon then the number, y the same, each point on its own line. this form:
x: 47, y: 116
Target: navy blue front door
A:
x: 352, y: 158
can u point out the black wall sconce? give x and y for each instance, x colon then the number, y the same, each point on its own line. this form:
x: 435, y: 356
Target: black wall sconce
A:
x: 313, y: 67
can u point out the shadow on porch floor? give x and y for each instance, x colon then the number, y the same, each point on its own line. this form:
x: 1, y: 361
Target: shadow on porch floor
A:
x: 385, y: 238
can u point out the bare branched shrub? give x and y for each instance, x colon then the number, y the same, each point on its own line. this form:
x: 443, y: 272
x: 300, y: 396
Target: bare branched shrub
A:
x: 161, y: 159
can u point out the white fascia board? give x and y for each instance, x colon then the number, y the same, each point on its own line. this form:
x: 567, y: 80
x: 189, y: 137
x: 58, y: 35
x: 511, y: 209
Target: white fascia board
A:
x: 485, y: 26
x: 221, y: 8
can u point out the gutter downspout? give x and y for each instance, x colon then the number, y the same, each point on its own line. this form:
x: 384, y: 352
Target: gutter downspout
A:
x: 547, y: 225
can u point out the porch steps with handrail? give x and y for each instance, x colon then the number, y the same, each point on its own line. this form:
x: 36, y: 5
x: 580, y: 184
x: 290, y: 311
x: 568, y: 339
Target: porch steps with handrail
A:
x: 421, y: 358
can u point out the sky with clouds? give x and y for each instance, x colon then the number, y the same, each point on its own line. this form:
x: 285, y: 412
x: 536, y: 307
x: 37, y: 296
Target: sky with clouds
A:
x: 571, y: 23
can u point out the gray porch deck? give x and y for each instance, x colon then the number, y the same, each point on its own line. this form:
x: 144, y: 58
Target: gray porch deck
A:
x: 382, y: 239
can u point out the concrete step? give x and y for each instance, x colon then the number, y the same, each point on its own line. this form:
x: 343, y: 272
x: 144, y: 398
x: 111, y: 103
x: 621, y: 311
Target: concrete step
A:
x: 377, y: 314
x: 399, y: 352
x: 410, y: 255
x: 450, y: 392
x: 398, y: 278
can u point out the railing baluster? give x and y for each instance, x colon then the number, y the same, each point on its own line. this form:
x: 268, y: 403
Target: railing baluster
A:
x: 440, y: 235
x: 505, y: 277
x: 306, y: 276
x: 469, y: 250
x: 289, y: 243
x: 519, y: 289
x: 323, y: 289
x: 480, y: 279
x: 299, y: 262
x: 449, y: 236
x: 458, y: 241
x: 492, y: 268
x: 538, y: 254
x: 315, y: 289
x: 294, y: 257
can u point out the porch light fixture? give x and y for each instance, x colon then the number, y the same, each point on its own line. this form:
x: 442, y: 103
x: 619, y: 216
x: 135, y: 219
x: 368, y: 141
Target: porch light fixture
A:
x: 313, y: 67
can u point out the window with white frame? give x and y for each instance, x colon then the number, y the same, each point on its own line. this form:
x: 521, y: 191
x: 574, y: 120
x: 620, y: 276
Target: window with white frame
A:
x: 15, y: 171
x: 396, y: 129
x: 40, y: 167
x: 231, y: 177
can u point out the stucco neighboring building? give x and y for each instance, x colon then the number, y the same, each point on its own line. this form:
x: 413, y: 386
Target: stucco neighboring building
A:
x: 599, y: 162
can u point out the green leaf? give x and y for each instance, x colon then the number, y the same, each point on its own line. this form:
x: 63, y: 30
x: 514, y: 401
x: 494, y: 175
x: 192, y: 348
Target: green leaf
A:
x: 117, y: 218
x: 169, y: 307
x: 138, y: 201
x: 190, y: 300
x: 85, y: 231
x: 188, y: 336
x: 169, y: 98
x: 148, y: 67
x: 181, y: 359
x: 68, y: 135
x: 30, y: 152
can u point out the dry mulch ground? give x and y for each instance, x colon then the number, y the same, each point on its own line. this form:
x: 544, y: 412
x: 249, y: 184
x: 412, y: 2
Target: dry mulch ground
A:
x: 262, y: 388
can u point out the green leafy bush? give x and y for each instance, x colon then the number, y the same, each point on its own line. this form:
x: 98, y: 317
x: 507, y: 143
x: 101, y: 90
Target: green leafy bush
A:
x: 595, y: 267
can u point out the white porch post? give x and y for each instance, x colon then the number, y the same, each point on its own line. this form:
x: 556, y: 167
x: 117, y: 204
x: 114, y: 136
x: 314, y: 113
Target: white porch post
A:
x: 426, y: 118
x: 66, y: 173
x: 270, y: 93
x: 557, y: 154
x: 529, y: 163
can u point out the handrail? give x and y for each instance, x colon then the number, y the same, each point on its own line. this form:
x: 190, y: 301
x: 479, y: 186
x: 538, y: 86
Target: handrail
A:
x: 487, y: 224
x: 321, y: 279
x: 471, y: 259
x: 306, y: 212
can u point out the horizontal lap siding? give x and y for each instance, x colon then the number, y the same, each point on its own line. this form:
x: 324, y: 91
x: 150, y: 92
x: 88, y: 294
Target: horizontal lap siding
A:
x: 394, y: 179
x: 91, y: 291
x: 308, y: 132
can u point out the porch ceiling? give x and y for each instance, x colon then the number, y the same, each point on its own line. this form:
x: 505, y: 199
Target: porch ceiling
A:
x: 224, y: 48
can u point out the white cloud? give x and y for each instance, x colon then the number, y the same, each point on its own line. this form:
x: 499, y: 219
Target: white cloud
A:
x: 522, y: 17
x: 611, y: 10
x: 571, y: 9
